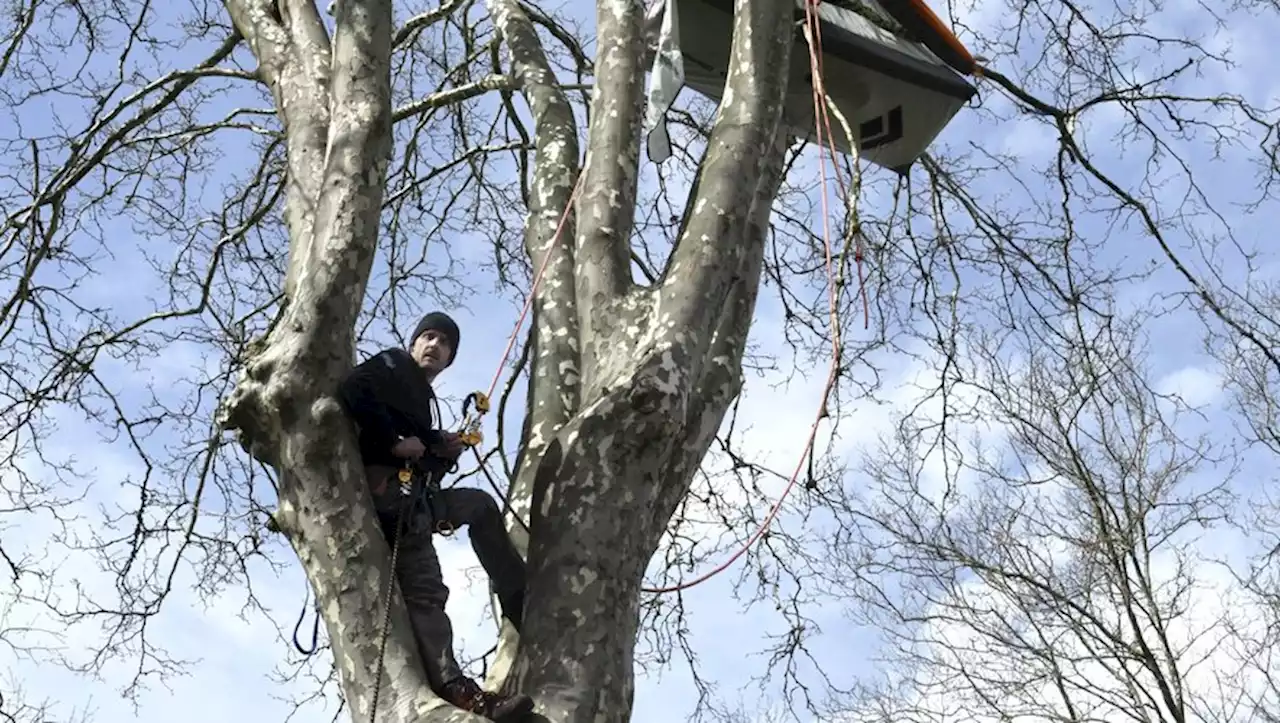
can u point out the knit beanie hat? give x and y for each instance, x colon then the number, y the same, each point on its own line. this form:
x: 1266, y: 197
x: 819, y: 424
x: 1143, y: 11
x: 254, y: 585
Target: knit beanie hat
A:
x: 439, y: 321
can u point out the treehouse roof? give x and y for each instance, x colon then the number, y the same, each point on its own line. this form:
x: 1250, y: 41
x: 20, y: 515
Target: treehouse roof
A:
x: 891, y: 67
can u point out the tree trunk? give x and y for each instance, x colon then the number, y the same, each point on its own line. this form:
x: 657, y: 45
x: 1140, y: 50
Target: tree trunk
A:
x: 629, y: 385
x: 335, y: 105
x: 660, y: 366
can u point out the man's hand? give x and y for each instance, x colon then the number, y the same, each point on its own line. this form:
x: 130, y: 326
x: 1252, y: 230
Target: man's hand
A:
x: 409, y: 448
x: 452, y: 447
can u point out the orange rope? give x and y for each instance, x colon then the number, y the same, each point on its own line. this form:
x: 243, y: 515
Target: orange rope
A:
x: 820, y: 119
x: 820, y: 114
x: 537, y: 281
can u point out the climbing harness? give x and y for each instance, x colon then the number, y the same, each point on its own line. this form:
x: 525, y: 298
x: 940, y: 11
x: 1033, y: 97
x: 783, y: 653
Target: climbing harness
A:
x: 474, y: 407
x: 420, y: 485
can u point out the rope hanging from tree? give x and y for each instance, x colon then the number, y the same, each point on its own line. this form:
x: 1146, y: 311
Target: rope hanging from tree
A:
x: 478, y: 403
x: 823, y: 130
x: 822, y: 122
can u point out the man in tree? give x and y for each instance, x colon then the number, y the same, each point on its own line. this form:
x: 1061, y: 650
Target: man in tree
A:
x: 390, y: 398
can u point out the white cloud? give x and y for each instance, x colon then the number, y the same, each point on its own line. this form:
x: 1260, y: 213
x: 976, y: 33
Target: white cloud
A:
x: 231, y: 649
x: 964, y: 672
x: 979, y: 648
x: 238, y: 655
x: 1194, y: 385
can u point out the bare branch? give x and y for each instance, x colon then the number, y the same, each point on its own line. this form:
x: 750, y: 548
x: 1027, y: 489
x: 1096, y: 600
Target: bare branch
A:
x: 452, y: 96
x: 416, y: 24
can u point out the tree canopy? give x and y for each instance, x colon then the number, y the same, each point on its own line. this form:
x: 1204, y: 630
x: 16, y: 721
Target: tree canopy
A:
x: 1039, y: 490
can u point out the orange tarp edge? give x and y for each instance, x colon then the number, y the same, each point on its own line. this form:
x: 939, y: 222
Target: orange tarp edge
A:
x: 946, y: 45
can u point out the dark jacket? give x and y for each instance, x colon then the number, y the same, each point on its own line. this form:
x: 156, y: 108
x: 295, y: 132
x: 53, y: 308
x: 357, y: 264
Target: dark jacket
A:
x: 389, y: 398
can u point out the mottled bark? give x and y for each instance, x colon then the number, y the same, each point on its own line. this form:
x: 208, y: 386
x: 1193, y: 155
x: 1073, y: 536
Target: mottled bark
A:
x: 640, y: 434
x: 553, y: 391
x: 610, y: 175
x: 721, y: 380
x: 336, y: 106
x: 605, y: 463
x: 294, y: 59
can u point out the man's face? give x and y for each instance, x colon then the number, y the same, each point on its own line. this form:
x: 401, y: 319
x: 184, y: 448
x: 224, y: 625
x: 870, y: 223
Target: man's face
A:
x: 432, y: 351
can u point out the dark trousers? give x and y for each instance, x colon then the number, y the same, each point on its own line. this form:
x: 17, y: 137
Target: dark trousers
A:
x: 418, y: 568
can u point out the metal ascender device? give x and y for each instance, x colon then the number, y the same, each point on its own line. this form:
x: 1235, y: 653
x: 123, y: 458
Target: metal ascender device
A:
x: 474, y: 407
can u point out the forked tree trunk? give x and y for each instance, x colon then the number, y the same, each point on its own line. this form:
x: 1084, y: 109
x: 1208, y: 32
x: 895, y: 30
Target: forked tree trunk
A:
x: 629, y: 385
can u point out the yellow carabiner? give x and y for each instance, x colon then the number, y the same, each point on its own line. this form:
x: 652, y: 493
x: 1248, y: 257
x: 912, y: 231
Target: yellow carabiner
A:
x: 471, y: 436
x: 470, y: 433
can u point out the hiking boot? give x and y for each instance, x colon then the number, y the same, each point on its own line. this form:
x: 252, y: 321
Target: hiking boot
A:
x: 465, y: 694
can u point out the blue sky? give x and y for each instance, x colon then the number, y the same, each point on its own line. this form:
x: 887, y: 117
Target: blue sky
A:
x: 243, y: 652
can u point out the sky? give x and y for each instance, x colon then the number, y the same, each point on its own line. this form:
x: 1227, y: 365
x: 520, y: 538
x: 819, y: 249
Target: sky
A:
x: 244, y: 652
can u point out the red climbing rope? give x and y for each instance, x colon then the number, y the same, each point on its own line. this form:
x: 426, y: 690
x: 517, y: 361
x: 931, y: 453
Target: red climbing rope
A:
x: 821, y: 119
x: 822, y: 115
x: 537, y: 281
